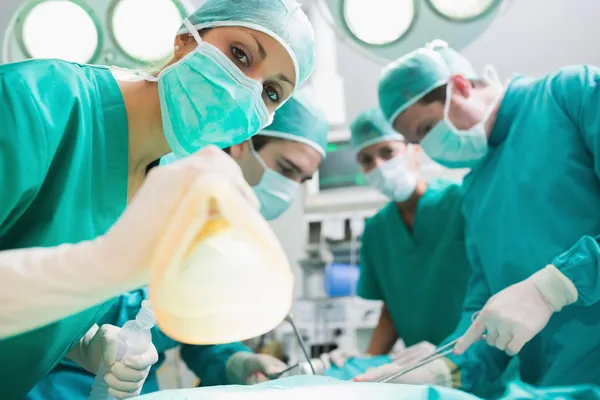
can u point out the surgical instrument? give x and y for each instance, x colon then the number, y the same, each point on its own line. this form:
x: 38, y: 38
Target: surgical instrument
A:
x: 278, y: 374
x: 290, y: 320
x: 438, y: 353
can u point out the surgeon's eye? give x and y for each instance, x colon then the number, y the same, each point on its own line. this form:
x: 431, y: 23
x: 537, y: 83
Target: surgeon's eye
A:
x: 364, y: 159
x: 273, y: 93
x: 240, y: 56
x: 386, y: 153
x: 286, y: 170
x: 424, y: 130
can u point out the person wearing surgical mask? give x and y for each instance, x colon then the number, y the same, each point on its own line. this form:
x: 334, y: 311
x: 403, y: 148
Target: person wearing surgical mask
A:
x: 531, y: 209
x: 412, y: 251
x: 79, y: 216
x: 284, y: 155
x: 274, y: 163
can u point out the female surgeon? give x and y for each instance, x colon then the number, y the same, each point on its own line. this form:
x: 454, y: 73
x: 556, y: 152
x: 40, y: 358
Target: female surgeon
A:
x: 74, y: 147
x: 275, y: 162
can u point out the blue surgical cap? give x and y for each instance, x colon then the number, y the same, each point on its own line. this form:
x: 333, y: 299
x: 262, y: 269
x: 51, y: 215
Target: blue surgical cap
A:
x: 370, y: 128
x: 409, y: 78
x: 300, y: 121
x: 283, y: 20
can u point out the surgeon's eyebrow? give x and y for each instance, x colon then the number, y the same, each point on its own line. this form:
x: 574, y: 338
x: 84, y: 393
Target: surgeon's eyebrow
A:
x: 285, y: 79
x: 293, y: 165
x: 261, y: 49
x: 421, y: 131
x: 296, y: 168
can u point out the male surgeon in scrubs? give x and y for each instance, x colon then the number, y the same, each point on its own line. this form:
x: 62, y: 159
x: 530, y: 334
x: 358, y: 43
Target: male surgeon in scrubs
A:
x: 413, y: 251
x: 531, y: 207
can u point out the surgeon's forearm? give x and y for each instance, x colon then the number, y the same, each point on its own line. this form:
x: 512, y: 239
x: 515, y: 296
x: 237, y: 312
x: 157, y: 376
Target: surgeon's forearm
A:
x: 581, y: 266
x: 43, y: 285
x: 384, y: 335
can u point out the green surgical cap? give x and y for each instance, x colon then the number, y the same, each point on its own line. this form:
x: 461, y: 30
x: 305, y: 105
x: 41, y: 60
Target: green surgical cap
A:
x: 283, y: 20
x: 409, y: 78
x: 371, y: 127
x: 298, y: 120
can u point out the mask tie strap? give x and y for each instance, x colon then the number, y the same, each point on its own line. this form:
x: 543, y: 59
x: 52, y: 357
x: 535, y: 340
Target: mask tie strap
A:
x: 447, y: 105
x: 448, y: 99
x: 490, y: 75
x: 256, y: 155
x: 192, y: 30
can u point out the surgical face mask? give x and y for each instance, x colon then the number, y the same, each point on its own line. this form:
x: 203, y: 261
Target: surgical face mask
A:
x: 394, y: 179
x: 455, y: 148
x: 206, y: 99
x: 274, y: 191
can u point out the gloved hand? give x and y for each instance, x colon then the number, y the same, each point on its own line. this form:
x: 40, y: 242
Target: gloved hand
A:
x: 125, y: 378
x: 339, y: 357
x: 513, y: 316
x: 70, y: 278
x: 413, y: 354
x: 130, y: 242
x: 245, y: 368
x: 436, y: 372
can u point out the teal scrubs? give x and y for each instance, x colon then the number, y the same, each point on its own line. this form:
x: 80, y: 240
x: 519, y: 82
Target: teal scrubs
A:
x: 356, y: 366
x: 421, y: 275
x: 63, y: 174
x: 69, y: 381
x: 533, y: 201
x: 522, y: 391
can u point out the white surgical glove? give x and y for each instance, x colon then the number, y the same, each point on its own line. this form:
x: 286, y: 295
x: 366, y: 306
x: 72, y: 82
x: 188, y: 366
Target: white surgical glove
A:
x: 245, y: 368
x: 70, y: 278
x: 132, y: 239
x: 339, y: 357
x: 513, y: 316
x: 413, y: 354
x: 436, y: 372
x: 99, y: 347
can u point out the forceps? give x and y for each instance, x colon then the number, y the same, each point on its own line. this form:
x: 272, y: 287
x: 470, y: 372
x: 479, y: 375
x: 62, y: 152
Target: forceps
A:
x: 277, y: 375
x: 298, y: 335
x: 289, y: 319
x: 438, y: 353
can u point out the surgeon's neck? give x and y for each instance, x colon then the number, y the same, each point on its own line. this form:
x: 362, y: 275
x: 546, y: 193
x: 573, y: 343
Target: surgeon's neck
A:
x: 146, y: 138
x: 408, y: 208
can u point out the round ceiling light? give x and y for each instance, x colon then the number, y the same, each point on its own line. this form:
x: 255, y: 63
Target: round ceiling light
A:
x: 145, y: 29
x: 378, y: 22
x: 44, y: 33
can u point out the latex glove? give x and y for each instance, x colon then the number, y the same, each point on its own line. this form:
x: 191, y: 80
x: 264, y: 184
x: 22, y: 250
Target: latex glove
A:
x: 413, y: 354
x: 99, y: 347
x: 245, y: 368
x: 131, y: 241
x: 339, y: 357
x: 70, y: 278
x: 436, y: 372
x: 513, y: 316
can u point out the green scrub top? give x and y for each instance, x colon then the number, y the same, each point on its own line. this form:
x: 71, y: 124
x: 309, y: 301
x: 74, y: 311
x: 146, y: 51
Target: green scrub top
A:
x: 63, y: 174
x: 421, y: 275
x: 70, y: 381
x: 533, y: 201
